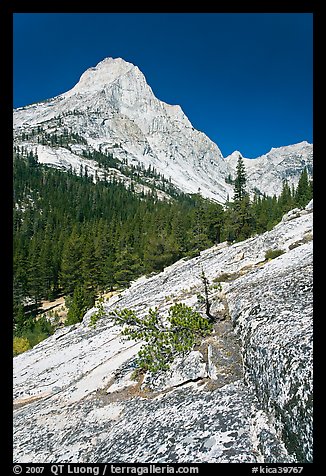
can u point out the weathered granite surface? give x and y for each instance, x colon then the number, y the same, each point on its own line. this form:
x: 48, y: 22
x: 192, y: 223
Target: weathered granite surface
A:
x: 272, y: 311
x: 243, y: 395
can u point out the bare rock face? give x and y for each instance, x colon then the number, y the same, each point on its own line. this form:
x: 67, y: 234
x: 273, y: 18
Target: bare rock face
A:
x: 243, y: 395
x: 272, y: 310
x: 113, y: 109
x: 186, y: 425
x: 191, y: 368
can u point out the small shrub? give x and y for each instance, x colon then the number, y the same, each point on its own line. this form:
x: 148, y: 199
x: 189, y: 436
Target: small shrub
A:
x: 38, y: 331
x: 20, y: 345
x: 191, y: 254
x: 93, y: 320
x: 225, y: 277
x: 271, y: 254
x: 217, y: 286
x: 135, y: 375
x: 200, y: 298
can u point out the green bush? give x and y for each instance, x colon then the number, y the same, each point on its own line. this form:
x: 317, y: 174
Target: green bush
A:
x: 165, y: 337
x: 33, y: 331
x: 226, y: 277
x: 20, y: 344
x: 271, y: 254
x: 35, y: 337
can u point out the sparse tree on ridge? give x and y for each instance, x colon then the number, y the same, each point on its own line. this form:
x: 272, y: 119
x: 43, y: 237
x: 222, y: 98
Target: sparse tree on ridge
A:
x: 242, y: 216
x: 240, y: 181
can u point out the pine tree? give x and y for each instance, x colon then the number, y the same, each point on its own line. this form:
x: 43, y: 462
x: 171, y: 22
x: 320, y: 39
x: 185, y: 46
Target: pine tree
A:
x: 89, y: 263
x: 185, y: 328
x: 82, y: 300
x: 70, y: 275
x: 303, y: 193
x: 46, y: 263
x: 229, y: 227
x: 19, y: 320
x: 240, y: 181
x: 286, y: 199
x: 242, y: 217
x: 35, y: 275
x: 127, y: 267
x: 160, y: 251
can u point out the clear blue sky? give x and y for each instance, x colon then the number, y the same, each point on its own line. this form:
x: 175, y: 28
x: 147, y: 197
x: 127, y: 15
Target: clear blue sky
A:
x: 245, y: 79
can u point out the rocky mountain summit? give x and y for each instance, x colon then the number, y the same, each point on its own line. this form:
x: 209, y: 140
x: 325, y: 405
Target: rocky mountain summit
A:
x: 112, y: 109
x: 267, y: 172
x: 243, y: 395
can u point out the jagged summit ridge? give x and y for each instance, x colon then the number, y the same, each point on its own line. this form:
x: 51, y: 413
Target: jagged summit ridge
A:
x: 125, y: 89
x: 113, y: 108
x: 267, y: 172
x: 109, y: 70
x: 103, y: 74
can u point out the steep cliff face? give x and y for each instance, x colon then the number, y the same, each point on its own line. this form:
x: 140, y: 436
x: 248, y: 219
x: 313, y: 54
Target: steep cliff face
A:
x: 113, y: 109
x: 243, y: 395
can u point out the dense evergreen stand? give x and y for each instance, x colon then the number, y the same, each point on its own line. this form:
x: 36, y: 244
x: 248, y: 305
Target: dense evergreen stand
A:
x: 77, y: 238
